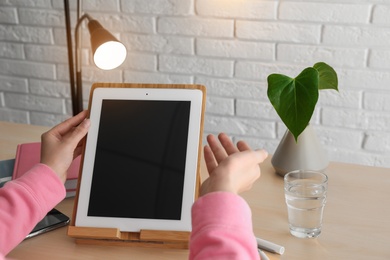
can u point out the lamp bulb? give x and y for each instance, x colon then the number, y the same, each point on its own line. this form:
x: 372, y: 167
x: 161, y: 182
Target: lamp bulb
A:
x: 110, y: 55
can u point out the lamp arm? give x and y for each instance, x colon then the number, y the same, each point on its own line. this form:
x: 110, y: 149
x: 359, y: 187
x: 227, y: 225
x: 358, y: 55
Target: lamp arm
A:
x: 77, y: 39
x: 79, y: 83
x: 70, y: 57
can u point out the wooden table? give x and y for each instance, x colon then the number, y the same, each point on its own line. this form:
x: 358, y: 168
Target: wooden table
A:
x: 356, y: 216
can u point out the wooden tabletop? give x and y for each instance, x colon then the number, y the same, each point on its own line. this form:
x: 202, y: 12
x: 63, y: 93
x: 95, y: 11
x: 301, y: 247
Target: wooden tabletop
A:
x: 356, y: 216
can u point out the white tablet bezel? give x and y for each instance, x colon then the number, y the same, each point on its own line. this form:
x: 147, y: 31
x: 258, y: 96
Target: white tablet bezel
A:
x: 195, y: 96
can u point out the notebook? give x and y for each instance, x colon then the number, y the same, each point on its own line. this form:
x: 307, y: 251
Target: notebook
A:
x: 29, y: 154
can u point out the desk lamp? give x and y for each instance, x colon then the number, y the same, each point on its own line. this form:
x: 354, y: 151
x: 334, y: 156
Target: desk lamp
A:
x: 108, y: 53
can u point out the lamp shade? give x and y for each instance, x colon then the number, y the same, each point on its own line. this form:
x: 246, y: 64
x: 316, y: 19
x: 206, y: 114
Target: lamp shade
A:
x: 108, y: 52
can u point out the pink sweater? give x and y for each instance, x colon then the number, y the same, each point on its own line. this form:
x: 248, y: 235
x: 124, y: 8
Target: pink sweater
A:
x: 222, y: 225
x: 222, y: 228
x: 24, y: 202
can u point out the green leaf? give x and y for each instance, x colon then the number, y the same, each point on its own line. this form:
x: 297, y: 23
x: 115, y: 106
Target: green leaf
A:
x: 294, y: 99
x: 327, y: 76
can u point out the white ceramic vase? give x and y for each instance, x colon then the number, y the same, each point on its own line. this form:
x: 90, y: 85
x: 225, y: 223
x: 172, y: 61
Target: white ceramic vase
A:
x: 305, y: 154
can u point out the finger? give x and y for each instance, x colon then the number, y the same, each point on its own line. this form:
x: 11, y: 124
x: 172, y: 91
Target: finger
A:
x: 227, y: 144
x: 243, y: 146
x: 209, y: 159
x: 79, y: 132
x: 70, y: 123
x: 218, y: 151
x: 261, y: 155
x: 251, y: 157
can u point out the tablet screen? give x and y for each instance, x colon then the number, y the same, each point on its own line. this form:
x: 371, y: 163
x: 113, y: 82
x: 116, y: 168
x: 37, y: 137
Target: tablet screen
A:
x: 140, y: 162
x: 140, y: 159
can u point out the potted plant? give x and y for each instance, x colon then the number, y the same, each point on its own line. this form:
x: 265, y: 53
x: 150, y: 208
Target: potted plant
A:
x: 294, y: 100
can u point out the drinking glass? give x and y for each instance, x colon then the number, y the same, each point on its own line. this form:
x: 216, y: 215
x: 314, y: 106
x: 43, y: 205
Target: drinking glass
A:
x: 305, y: 193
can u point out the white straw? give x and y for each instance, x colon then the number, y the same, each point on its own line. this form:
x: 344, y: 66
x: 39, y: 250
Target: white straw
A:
x: 269, y: 246
x: 263, y: 256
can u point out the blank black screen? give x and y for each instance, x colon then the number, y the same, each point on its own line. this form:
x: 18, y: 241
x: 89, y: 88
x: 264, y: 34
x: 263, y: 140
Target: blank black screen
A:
x: 140, y: 159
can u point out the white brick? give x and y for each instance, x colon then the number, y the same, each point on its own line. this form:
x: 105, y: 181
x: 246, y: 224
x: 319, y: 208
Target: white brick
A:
x: 334, y: 137
x: 355, y: 119
x: 341, y: 57
x: 196, y: 26
x: 34, y: 103
x: 381, y: 15
x: 47, y: 53
x: 98, y: 5
x: 255, y: 109
x: 220, y: 106
x: 42, y: 17
x: 358, y: 157
x: 343, y: 98
x: 47, y: 119
x: 127, y: 23
x: 235, y: 49
x: 11, y: 84
x: 260, y: 143
x: 159, y: 43
x: 377, y: 142
x: 233, y: 88
x: 17, y: 33
x: 35, y: 3
x: 237, y: 9
x: 62, y: 72
x: 316, y: 117
x: 280, y: 129
x: 59, y: 4
x: 379, y: 59
x: 48, y: 88
x: 140, y: 61
x: 166, y: 7
x: 324, y: 12
x: 148, y: 77
x: 12, y: 115
x: 376, y: 101
x: 27, y: 69
x: 93, y: 74
x: 68, y: 107
x: 260, y: 71
x: 196, y: 65
x: 59, y: 36
x: 351, y: 36
x: 363, y: 79
x: 278, y: 31
x: 8, y: 15
x: 239, y: 126
x: 11, y: 50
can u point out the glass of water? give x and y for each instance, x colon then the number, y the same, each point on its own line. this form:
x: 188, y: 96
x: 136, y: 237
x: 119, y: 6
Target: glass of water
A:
x: 305, y: 193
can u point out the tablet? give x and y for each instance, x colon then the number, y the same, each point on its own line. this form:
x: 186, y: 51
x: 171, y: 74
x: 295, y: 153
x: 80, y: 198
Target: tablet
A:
x: 140, y: 162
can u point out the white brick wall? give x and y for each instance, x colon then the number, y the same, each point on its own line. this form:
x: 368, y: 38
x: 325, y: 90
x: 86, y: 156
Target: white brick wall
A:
x: 230, y: 46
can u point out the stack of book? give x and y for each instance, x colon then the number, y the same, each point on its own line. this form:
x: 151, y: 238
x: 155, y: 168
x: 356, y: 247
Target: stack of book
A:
x: 29, y: 154
x: 6, y: 169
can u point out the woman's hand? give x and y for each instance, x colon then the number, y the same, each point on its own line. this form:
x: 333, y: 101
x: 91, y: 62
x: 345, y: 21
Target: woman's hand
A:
x: 231, y: 168
x: 61, y: 144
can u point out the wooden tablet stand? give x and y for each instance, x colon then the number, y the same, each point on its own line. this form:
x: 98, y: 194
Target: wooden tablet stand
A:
x: 144, y: 238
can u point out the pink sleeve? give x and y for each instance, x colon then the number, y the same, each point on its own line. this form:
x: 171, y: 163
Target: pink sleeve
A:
x: 24, y: 202
x: 222, y: 228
